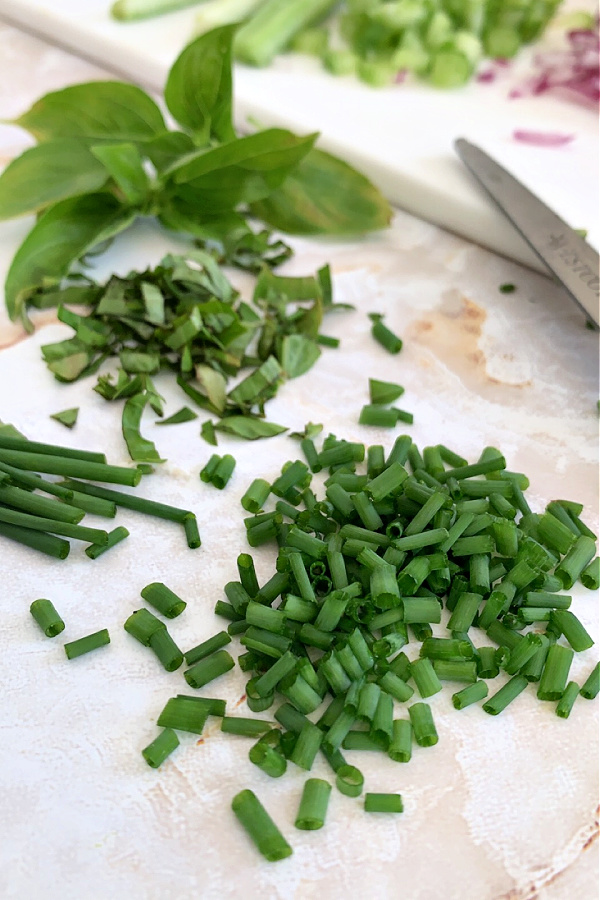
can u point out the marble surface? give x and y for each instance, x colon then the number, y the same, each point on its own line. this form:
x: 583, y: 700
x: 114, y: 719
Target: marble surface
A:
x: 500, y: 809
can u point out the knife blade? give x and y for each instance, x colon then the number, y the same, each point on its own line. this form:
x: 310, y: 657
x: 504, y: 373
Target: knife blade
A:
x: 572, y: 261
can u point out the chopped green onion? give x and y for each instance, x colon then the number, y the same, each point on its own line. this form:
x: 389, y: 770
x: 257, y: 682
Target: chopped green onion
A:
x: 470, y: 694
x: 555, y: 673
x: 45, y: 614
x: 201, y: 651
x: 87, y: 643
x: 256, y: 495
x: 307, y: 746
x: 424, y: 729
x: 245, y: 727
x: 349, y: 780
x: 591, y: 685
x: 569, y: 625
x: 509, y: 692
x: 115, y: 537
x: 163, y: 599
x: 267, y: 758
x: 425, y: 677
x: 184, y: 713
x: 206, y: 670
x: 260, y: 827
x: 576, y: 561
x: 384, y: 803
x: 160, y: 748
x: 313, y: 805
x: 455, y: 669
x: 590, y: 577
x: 166, y: 649
x: 565, y: 704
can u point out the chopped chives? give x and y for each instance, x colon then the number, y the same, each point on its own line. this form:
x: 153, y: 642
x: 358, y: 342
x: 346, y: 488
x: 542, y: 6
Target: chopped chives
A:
x: 206, y: 474
x: 265, y: 617
x: 471, y: 694
x: 576, y: 561
x: 423, y: 726
x: 446, y: 648
x: 384, y: 336
x: 45, y: 614
x: 184, y: 713
x: 464, y: 612
x: 487, y: 664
x: 163, y: 599
x: 349, y: 780
x: 545, y: 600
x: 267, y: 758
x: 533, y: 669
x: 455, y: 669
x: 368, y: 699
x: 300, y: 693
x: 141, y: 625
x: 383, y: 803
x: 338, y: 731
x: 269, y: 680
x: 118, y: 534
x: 160, y: 748
x: 522, y: 652
x: 425, y: 539
x: 266, y: 642
x: 421, y: 610
x: 590, y: 577
x: 400, y: 748
x: 201, y: 651
x: 244, y: 726
x: 192, y: 534
x: 565, y: 704
x: 223, y: 471
x: 83, y: 645
x: 259, y: 826
x: 569, y: 625
x: 509, y: 692
x: 360, y: 740
x: 555, y: 673
x: 166, y: 649
x: 378, y: 416
x: 307, y: 746
x: 313, y: 804
x: 290, y: 718
x: 396, y: 686
x: 209, y: 668
x: 425, y: 677
x: 383, y: 721
x: 591, y: 685
x: 256, y: 496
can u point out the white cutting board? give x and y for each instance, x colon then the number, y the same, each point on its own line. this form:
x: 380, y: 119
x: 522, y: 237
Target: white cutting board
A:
x: 401, y: 136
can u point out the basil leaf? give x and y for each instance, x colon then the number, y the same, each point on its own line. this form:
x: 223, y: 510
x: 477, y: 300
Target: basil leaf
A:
x: 156, y: 400
x: 68, y: 359
x: 185, y: 414
x: 213, y: 383
x: 96, y: 110
x: 248, y: 169
x: 198, y: 92
x: 324, y: 195
x: 311, y: 430
x: 68, y: 417
x: 140, y: 449
x: 123, y: 163
x: 46, y: 174
x: 207, y: 432
x: 167, y: 148
x: 250, y: 391
x: 62, y: 234
x: 249, y: 428
x: 136, y: 361
x: 298, y: 354
x: 154, y: 303
x: 8, y: 430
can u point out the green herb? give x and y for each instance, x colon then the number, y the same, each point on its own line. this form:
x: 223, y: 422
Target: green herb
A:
x: 183, y: 415
x: 45, y: 614
x: 507, y: 288
x: 160, y: 748
x: 259, y: 826
x: 86, y: 644
x: 68, y: 417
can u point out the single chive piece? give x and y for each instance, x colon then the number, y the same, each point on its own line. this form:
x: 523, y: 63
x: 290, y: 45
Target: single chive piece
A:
x: 421, y: 610
x: 423, y: 725
x: 368, y: 699
x: 254, y: 701
x: 306, y: 543
x: 39, y: 523
x: 256, y: 496
x: 247, y: 573
x: 223, y: 471
x: 265, y: 617
x: 163, y: 599
x: 268, y: 757
x: 471, y: 694
x: 307, y: 445
x: 576, y: 561
x: 590, y: 577
x: 266, y: 642
x: 455, y: 669
x: 383, y: 721
x: 378, y: 416
x: 300, y: 693
x: 400, y: 450
x: 400, y: 748
x: 464, y: 612
x: 556, y: 672
x: 425, y: 677
x: 467, y: 546
x: 574, y: 632
x: 290, y: 718
x: 244, y: 726
x: 384, y: 803
x: 90, y: 642
x: 338, y: 730
x: 382, y: 392
x: 360, y: 740
x: 166, y: 649
x: 8, y: 442
x: 425, y: 539
x: 446, y: 648
x: 591, y: 685
x: 450, y: 457
x: 384, y: 336
x: 237, y: 596
x: 546, y: 600
x: 130, y: 501
x: 314, y: 637
x: 334, y: 672
x: 141, y: 625
x: 160, y: 748
x: 192, y: 534
x: 565, y: 704
x: 27, y: 501
x: 326, y: 340
x: 118, y: 534
x: 239, y: 627
x: 533, y: 669
x: 206, y: 670
x: 299, y: 610
x: 70, y: 467
x: 554, y: 533
x: 487, y: 664
x: 522, y: 652
x: 349, y: 780
x: 45, y: 614
x: 301, y: 576
x: 349, y: 662
x: 260, y: 826
x: 375, y: 460
x: 509, y: 692
x: 307, y: 746
x: 313, y: 804
x: 454, y: 532
x: 206, y: 474
x: 387, y: 482
x: 201, y: 651
x: 189, y: 713
x: 360, y: 648
x: 268, y: 681
x: 503, y: 635
x: 394, y: 685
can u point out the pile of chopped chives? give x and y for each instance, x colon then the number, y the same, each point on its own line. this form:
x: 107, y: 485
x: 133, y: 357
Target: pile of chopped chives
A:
x: 390, y: 553
x: 44, y: 522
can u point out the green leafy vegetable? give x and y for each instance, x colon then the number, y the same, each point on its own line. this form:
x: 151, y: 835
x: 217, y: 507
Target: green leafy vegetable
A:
x: 185, y: 414
x: 248, y: 427
x: 140, y: 449
x: 68, y: 417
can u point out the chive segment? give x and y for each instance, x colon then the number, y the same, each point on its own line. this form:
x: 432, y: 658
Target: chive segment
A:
x: 259, y: 826
x: 73, y: 649
x: 45, y: 614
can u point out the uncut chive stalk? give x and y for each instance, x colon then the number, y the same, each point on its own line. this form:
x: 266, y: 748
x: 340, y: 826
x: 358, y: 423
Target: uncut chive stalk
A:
x: 130, y: 501
x: 570, y: 626
x: 75, y: 468
x: 118, y: 534
x: 555, y: 673
x: 565, y: 704
x: 45, y: 614
x: 509, y: 692
x: 201, y: 651
x: 471, y: 694
x: 66, y: 529
x: 313, y: 804
x: 85, y: 644
x: 14, y: 443
x: 591, y: 685
x: 423, y: 726
x: 349, y: 780
x: 163, y: 599
x: 400, y: 747
x: 166, y: 649
x: 37, y: 540
x: 160, y: 748
x: 94, y: 505
x: 259, y: 826
x: 206, y: 670
x: 383, y: 803
x: 28, y: 502
x: 29, y: 479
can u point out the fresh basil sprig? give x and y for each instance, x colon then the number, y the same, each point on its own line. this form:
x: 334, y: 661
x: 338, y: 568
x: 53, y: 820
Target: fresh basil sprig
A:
x: 105, y: 156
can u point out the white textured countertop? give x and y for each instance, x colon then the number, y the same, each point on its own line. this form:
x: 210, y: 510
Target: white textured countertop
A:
x: 501, y: 809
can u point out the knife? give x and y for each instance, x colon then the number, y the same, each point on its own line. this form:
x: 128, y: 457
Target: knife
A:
x: 572, y: 261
